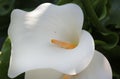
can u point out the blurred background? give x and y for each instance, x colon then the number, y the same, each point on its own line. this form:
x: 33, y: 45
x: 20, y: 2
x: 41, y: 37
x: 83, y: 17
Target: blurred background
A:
x: 102, y: 20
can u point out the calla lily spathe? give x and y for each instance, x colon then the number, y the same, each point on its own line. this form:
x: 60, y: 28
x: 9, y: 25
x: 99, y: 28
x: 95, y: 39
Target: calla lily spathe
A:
x: 33, y: 53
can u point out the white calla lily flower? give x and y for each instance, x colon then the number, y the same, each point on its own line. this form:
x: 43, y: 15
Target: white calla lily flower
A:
x: 33, y: 35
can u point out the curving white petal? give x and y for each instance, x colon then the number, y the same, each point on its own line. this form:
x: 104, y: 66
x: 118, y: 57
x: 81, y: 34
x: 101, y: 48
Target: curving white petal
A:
x: 31, y: 34
x: 99, y: 68
x: 43, y: 74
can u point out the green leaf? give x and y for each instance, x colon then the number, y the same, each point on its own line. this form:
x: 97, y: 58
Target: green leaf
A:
x: 61, y: 2
x: 6, y: 7
x: 114, y: 52
x: 100, y: 7
x: 109, y: 40
x: 114, y: 16
x: 78, y: 2
x: 116, y: 76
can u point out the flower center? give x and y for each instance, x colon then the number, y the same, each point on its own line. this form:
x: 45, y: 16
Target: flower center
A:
x: 65, y: 45
x: 67, y: 77
x: 62, y: 44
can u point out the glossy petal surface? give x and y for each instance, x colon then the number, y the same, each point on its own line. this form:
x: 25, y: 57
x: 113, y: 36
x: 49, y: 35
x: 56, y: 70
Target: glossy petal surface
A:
x: 99, y: 68
x: 31, y: 34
